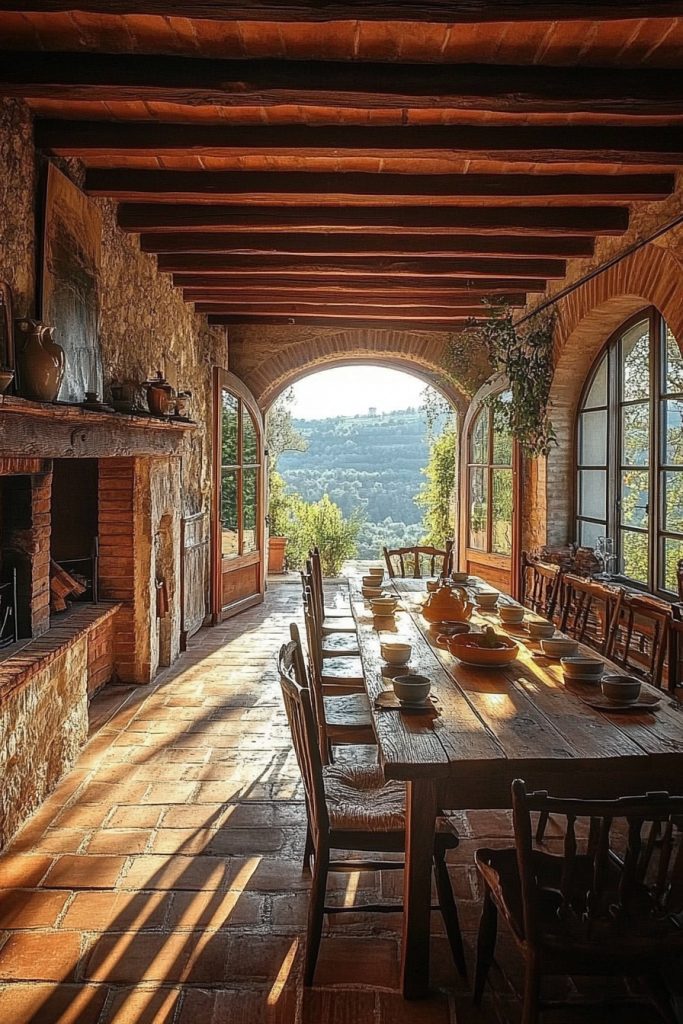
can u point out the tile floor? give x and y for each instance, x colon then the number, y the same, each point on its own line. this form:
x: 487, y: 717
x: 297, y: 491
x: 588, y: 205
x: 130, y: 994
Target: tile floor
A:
x: 161, y: 882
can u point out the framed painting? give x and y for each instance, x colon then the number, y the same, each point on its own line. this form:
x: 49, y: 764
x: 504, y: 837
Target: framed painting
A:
x: 72, y: 240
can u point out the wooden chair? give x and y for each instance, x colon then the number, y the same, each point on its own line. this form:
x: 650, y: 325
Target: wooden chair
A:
x: 405, y: 562
x: 540, y: 586
x: 675, y: 664
x: 679, y: 578
x: 339, y: 673
x: 606, y: 910
x: 352, y: 807
x: 328, y: 623
x: 589, y: 610
x: 334, y: 643
x: 316, y: 565
x: 639, y: 636
x: 341, y: 718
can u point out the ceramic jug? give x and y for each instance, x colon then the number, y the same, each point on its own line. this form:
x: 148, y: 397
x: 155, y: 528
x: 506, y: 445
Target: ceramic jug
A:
x: 159, y: 394
x: 41, y: 361
x: 448, y: 604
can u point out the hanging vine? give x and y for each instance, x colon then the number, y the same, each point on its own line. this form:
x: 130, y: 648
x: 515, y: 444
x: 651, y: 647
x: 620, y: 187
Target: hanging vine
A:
x: 524, y: 355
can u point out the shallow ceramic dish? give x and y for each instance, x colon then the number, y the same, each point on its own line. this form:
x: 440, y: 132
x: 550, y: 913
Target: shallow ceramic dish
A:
x: 460, y: 577
x: 541, y: 630
x: 395, y: 652
x: 511, y: 613
x: 560, y: 647
x: 411, y: 688
x: 585, y: 669
x: 467, y: 648
x: 486, y: 600
x: 621, y: 689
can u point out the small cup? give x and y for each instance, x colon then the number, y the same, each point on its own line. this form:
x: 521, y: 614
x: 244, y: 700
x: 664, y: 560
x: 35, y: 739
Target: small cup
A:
x: 369, y: 581
x: 383, y: 605
x: 460, y: 577
x: 487, y: 599
x: 621, y: 689
x: 412, y: 688
x: 586, y: 669
x: 511, y: 613
x: 560, y: 647
x: 541, y: 630
x: 395, y: 652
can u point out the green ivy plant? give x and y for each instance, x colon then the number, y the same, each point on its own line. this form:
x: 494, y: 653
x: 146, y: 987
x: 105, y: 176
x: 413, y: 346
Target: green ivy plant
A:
x: 525, y: 355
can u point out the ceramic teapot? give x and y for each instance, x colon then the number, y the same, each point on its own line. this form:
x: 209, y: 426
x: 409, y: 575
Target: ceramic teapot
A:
x: 448, y: 604
x: 159, y: 395
x: 41, y: 361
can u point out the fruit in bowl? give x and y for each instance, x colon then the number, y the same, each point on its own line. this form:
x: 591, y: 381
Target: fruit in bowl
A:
x: 484, y: 650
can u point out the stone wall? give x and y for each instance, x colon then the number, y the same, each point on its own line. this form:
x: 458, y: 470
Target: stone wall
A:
x: 144, y: 323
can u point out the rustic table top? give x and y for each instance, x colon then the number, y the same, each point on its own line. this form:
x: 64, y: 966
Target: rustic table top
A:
x: 491, y: 726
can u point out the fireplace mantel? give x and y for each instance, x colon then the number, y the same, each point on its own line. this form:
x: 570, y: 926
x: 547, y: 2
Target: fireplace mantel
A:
x: 46, y: 431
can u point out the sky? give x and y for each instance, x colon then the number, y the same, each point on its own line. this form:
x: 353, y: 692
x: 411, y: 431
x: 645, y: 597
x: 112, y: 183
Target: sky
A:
x: 352, y: 390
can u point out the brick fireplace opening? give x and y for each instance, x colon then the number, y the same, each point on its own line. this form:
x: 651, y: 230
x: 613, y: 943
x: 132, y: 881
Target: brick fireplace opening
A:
x: 74, y: 526
x: 25, y: 548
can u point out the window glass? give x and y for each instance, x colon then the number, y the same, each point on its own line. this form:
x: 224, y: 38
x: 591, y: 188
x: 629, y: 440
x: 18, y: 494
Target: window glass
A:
x: 635, y: 362
x: 249, y: 511
x: 635, y: 434
x: 634, y: 556
x: 589, y: 533
x: 230, y: 406
x: 673, y: 373
x: 673, y: 552
x: 502, y: 438
x: 673, y: 432
x: 593, y: 438
x: 673, y: 502
x: 249, y: 438
x: 635, y: 497
x: 501, y: 512
x: 229, y: 523
x: 593, y: 493
x: 479, y: 444
x: 478, y: 510
x: 597, y: 393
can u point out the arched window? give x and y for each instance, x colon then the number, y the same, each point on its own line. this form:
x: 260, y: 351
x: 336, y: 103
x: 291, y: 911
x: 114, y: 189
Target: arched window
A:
x: 489, y: 485
x: 629, y: 442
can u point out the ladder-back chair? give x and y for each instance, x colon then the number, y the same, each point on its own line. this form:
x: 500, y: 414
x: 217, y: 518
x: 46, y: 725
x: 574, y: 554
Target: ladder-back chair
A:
x: 410, y: 562
x: 341, y: 717
x: 352, y: 808
x: 333, y: 643
x: 589, y: 610
x: 328, y: 623
x: 640, y: 636
x: 342, y: 673
x: 540, y: 586
x: 609, y: 907
x: 316, y: 565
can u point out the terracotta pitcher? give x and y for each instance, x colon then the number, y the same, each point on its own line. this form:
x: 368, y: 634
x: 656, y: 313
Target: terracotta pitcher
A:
x: 41, y: 361
x: 448, y: 604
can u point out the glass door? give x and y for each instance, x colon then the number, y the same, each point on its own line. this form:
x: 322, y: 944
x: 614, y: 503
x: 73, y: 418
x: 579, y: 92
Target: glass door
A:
x: 238, y: 575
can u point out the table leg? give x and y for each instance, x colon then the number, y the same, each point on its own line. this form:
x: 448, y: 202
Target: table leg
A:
x: 421, y: 813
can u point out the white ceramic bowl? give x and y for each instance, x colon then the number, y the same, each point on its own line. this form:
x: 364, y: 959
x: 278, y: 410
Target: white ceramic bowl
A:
x: 541, y: 630
x: 412, y: 688
x: 560, y: 647
x: 621, y: 689
x: 587, y: 669
x: 395, y: 653
x: 487, y: 600
x: 511, y: 613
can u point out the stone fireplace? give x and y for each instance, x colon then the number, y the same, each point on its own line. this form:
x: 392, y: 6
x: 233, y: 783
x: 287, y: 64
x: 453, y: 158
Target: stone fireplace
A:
x: 95, y: 495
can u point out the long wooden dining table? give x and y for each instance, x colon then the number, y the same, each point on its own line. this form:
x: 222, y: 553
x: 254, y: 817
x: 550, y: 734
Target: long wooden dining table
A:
x: 489, y: 727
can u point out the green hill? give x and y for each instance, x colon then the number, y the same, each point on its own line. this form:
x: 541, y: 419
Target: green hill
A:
x: 372, y: 462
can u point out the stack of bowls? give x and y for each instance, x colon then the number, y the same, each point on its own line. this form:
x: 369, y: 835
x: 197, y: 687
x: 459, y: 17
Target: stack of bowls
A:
x: 371, y: 586
x: 377, y: 573
x: 582, y: 670
x: 383, y: 605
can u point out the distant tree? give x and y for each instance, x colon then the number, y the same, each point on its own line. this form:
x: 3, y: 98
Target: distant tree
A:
x: 437, y: 494
x: 281, y: 434
x: 322, y: 524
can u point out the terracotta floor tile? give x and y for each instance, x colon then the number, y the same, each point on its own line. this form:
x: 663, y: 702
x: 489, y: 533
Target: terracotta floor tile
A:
x: 177, y: 872
x: 357, y: 961
x: 49, y: 1004
x: 213, y: 910
x: 193, y: 816
x: 20, y: 908
x: 244, y: 1006
x: 119, y: 841
x: 143, y: 1006
x: 338, y: 1007
x: 84, y: 872
x: 133, y: 816
x: 22, y: 870
x: 116, y: 911
x: 393, y: 1009
x: 40, y: 956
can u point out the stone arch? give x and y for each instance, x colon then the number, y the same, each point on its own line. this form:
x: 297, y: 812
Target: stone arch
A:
x: 268, y: 367
x: 587, y: 318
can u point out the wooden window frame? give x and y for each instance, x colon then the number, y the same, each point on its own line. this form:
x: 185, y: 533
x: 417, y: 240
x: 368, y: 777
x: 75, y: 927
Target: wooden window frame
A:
x: 656, y: 467
x: 490, y: 467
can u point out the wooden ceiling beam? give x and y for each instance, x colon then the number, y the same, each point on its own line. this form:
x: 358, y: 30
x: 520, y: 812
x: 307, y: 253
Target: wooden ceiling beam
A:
x: 439, y: 11
x: 379, y: 189
x: 341, y: 309
x: 365, y: 85
x: 359, y: 279
x: 384, y: 323
x: 579, y: 143
x: 376, y: 245
x: 366, y: 296
x: 496, y: 220
x: 465, y: 267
